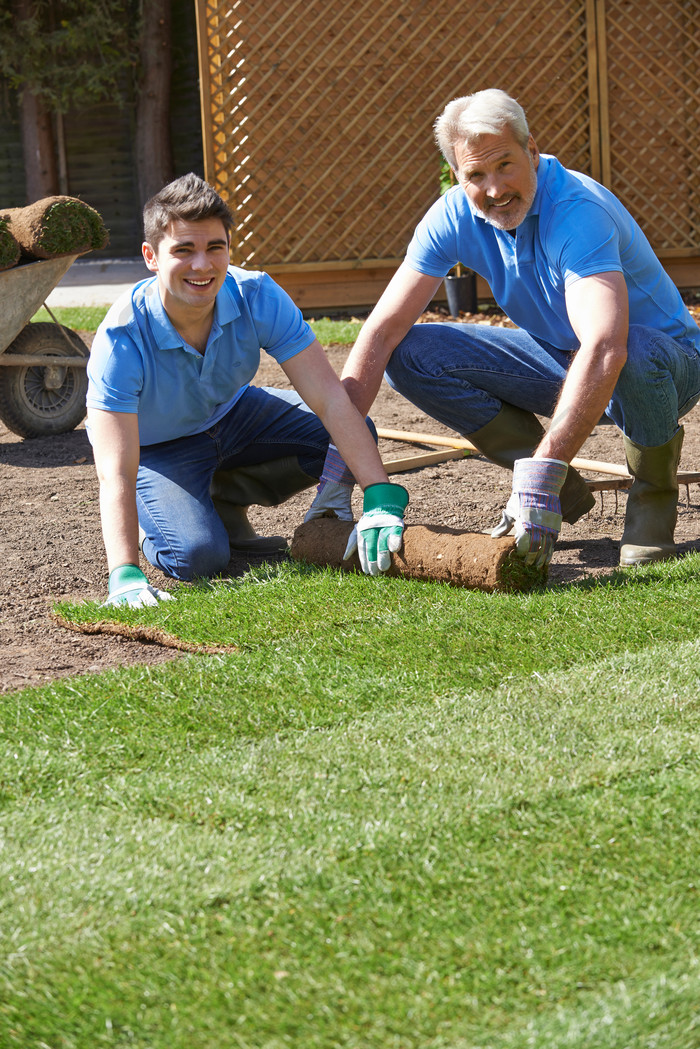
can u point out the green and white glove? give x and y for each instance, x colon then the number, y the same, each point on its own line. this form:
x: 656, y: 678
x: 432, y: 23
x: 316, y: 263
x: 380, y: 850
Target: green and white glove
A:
x: 379, y: 532
x: 129, y: 586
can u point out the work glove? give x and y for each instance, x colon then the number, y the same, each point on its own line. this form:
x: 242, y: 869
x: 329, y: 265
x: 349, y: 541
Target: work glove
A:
x: 534, y: 509
x: 129, y: 586
x: 379, y: 532
x: 334, y: 492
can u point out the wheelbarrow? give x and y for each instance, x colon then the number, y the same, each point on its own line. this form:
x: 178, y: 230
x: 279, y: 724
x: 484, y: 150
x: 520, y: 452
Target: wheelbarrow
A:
x: 43, y: 377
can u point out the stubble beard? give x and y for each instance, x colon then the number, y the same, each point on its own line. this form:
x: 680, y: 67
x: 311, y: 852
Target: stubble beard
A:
x: 515, y: 217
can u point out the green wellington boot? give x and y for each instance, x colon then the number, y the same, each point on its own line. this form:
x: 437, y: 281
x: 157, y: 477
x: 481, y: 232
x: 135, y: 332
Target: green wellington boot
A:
x: 264, y: 484
x: 514, y: 434
x: 652, y: 503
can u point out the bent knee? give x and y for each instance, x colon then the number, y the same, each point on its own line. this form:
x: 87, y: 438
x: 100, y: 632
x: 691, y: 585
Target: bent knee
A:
x: 200, y: 560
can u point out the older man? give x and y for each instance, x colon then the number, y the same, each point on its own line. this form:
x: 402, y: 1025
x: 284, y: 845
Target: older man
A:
x: 602, y: 332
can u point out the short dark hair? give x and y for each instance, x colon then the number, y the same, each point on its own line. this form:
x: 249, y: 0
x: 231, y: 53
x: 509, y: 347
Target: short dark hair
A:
x: 188, y: 197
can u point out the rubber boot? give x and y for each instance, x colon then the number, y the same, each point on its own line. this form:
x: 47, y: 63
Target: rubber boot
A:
x: 264, y: 484
x: 514, y: 434
x: 652, y: 503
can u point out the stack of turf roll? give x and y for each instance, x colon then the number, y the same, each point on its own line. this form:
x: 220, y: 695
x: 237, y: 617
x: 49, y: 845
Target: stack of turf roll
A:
x: 49, y: 228
x: 10, y: 250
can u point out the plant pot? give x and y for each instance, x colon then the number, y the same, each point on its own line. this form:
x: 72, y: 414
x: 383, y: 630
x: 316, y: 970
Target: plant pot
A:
x: 461, y: 293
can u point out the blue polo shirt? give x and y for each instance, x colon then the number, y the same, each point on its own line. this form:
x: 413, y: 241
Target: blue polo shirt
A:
x: 139, y: 363
x: 575, y: 228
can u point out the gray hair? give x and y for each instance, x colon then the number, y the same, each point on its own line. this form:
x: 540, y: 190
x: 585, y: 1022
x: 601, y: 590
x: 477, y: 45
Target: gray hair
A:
x: 483, y: 113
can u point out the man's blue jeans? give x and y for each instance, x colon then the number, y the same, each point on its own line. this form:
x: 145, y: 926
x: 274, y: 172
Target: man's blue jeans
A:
x: 185, y: 537
x: 461, y: 374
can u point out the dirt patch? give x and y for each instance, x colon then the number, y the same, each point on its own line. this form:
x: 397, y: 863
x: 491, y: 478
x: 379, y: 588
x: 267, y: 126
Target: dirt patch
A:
x: 52, y: 547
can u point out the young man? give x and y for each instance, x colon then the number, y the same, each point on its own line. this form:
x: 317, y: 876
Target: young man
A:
x: 602, y: 332
x: 182, y: 442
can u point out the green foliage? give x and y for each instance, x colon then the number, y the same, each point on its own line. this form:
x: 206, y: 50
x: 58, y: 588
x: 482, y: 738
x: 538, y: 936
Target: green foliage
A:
x: 69, y: 52
x: 447, y: 177
x: 447, y: 181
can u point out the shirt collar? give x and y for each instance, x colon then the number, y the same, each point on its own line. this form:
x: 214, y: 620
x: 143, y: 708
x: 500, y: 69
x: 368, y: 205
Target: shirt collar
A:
x: 542, y: 172
x: 226, y: 309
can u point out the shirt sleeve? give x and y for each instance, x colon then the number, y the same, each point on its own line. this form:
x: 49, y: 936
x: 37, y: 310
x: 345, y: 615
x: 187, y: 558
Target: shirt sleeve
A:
x: 115, y: 372
x: 433, y: 248
x: 586, y: 243
x: 281, y: 329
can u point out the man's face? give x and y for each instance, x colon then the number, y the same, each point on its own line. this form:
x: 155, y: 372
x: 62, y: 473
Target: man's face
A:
x: 499, y: 177
x: 191, y: 262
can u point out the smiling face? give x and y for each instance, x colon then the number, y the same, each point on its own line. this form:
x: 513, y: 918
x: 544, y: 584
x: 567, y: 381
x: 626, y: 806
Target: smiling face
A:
x: 499, y: 177
x: 191, y: 262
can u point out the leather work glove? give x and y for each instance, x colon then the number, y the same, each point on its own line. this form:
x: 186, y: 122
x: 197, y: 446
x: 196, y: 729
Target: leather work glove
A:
x: 379, y: 532
x: 534, y: 508
x: 334, y: 493
x: 129, y: 586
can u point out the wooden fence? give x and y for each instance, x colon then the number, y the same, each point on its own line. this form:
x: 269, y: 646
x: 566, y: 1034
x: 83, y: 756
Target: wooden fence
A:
x: 317, y: 120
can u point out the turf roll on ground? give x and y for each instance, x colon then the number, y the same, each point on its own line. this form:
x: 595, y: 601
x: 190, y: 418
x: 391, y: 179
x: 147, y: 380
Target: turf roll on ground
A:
x: 468, y: 559
x: 55, y: 226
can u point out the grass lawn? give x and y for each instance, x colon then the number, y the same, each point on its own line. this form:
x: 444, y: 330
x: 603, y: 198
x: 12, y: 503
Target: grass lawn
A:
x: 89, y: 318
x: 398, y: 816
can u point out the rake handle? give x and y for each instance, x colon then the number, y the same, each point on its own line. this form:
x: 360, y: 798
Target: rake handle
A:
x: 462, y: 443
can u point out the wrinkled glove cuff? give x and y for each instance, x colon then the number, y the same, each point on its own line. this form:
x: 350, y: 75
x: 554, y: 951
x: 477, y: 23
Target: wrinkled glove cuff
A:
x: 544, y: 476
x: 334, y: 468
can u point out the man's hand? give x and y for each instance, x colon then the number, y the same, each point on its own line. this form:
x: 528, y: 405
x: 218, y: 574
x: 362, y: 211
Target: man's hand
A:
x: 334, y: 492
x: 129, y: 586
x: 379, y: 532
x: 534, y: 508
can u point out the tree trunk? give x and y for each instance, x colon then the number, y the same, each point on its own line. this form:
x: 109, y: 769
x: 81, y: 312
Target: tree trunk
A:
x: 40, y: 166
x: 154, y: 163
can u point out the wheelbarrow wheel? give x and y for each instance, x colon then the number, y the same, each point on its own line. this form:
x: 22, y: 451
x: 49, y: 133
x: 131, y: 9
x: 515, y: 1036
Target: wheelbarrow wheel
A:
x: 43, y: 400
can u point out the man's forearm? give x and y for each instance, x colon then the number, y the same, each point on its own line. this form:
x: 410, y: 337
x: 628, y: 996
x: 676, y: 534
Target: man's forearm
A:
x: 401, y: 304
x: 364, y: 369
x: 120, y: 526
x: 355, y: 444
x: 584, y: 397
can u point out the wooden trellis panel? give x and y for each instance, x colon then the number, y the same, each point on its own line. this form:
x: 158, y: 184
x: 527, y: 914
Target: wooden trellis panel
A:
x: 317, y: 117
x: 651, y: 90
x: 319, y: 112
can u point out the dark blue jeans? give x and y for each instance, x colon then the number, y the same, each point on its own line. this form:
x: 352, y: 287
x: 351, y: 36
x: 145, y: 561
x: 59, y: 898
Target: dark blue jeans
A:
x: 461, y: 374
x: 185, y: 537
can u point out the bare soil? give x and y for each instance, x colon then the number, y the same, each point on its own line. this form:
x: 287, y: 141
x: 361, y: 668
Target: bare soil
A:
x: 52, y: 547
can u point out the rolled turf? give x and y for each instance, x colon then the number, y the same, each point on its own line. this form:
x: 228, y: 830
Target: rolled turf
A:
x: 55, y: 226
x: 9, y: 248
x: 430, y: 552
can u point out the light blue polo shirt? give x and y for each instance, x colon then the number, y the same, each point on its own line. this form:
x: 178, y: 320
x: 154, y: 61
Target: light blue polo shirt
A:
x: 139, y: 364
x: 575, y: 228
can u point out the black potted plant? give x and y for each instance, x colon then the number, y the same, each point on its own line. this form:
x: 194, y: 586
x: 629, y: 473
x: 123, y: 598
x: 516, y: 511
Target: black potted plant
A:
x: 460, y: 282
